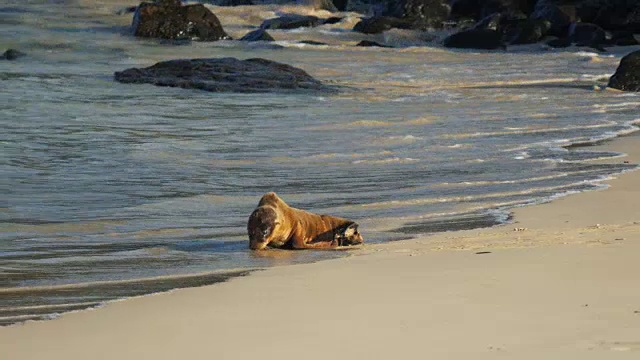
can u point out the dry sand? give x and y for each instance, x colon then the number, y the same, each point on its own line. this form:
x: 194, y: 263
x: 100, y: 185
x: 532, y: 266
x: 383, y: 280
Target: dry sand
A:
x: 565, y: 286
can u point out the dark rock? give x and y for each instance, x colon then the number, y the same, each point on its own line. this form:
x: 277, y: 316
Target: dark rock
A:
x: 341, y: 5
x: 321, y: 5
x: 491, y: 22
x: 622, y: 15
x: 526, y: 31
x: 312, y: 42
x: 423, y: 13
x: 485, y: 39
x: 332, y: 20
x: 222, y: 75
x: 12, y: 54
x: 234, y: 3
x: 627, y: 76
x: 584, y: 34
x: 622, y: 38
x: 378, y: 24
x: 168, y: 19
x: 257, y: 35
x: 558, y: 19
x: 489, y: 7
x: 291, y: 22
x: 480, y: 9
x: 367, y: 43
x: 559, y: 42
x: 465, y: 9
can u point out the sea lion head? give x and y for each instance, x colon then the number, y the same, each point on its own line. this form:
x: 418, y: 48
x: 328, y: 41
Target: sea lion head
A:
x: 261, y: 226
x: 349, y: 235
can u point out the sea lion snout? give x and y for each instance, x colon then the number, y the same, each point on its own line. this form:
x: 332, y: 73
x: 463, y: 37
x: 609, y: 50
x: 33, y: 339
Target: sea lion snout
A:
x: 261, y: 226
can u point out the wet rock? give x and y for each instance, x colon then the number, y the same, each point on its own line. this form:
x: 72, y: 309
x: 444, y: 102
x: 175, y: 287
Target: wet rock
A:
x: 378, y: 24
x: 615, y: 15
x: 291, y: 22
x: 341, y: 5
x: 559, y: 42
x: 332, y: 20
x: 223, y: 75
x: 480, y: 9
x: 627, y: 76
x: 12, y: 54
x: 168, y: 19
x: 526, y: 31
x: 257, y: 35
x: 234, y: 3
x: 585, y: 34
x: 367, y: 43
x: 423, y: 13
x: 491, y: 22
x: 582, y: 34
x: 485, y: 39
x: 622, y: 38
x: 320, y: 4
x: 312, y: 42
x: 559, y: 21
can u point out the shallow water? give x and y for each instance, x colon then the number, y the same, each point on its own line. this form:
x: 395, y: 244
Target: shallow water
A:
x: 105, y: 184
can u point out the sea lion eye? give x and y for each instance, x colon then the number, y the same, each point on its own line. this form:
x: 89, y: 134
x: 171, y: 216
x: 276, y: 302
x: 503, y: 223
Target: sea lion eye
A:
x: 265, y: 232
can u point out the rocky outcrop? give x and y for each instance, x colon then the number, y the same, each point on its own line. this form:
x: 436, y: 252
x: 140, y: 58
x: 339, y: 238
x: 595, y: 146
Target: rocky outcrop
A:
x: 584, y: 34
x: 11, y: 54
x: 423, y: 13
x: 627, y: 76
x: 291, y: 22
x: 614, y: 15
x: 257, y: 35
x: 485, y: 39
x: 480, y: 9
x: 168, y: 19
x: 558, y: 20
x: 234, y: 2
x: 320, y: 4
x: 622, y: 38
x: 378, y: 24
x: 223, y: 75
x: 368, y: 43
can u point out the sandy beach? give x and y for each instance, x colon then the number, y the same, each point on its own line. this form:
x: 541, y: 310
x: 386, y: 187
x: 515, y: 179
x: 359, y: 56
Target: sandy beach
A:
x: 560, y: 282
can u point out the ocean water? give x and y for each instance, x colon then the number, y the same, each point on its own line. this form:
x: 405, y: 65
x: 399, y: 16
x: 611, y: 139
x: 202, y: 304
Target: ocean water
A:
x: 111, y: 190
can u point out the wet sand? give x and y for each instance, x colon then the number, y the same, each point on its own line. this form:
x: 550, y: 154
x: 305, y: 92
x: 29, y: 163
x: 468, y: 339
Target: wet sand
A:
x: 558, y: 283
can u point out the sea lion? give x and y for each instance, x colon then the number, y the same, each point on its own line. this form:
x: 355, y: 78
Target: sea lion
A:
x: 275, y: 224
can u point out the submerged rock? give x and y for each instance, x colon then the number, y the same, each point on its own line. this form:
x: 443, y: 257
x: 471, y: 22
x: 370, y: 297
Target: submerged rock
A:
x: 223, y: 75
x: 627, y: 76
x: 234, y: 2
x: 168, y: 19
x: 368, y: 43
x: 11, y: 54
x: 291, y: 22
x: 378, y: 24
x: 257, y: 35
x: 485, y: 39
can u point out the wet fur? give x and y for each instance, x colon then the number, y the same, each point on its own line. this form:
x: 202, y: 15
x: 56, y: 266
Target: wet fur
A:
x: 275, y: 224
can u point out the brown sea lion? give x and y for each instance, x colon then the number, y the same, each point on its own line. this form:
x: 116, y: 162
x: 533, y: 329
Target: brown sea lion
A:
x: 275, y: 224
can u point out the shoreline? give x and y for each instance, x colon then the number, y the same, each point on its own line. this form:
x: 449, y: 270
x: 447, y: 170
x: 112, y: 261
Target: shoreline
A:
x: 557, y: 281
